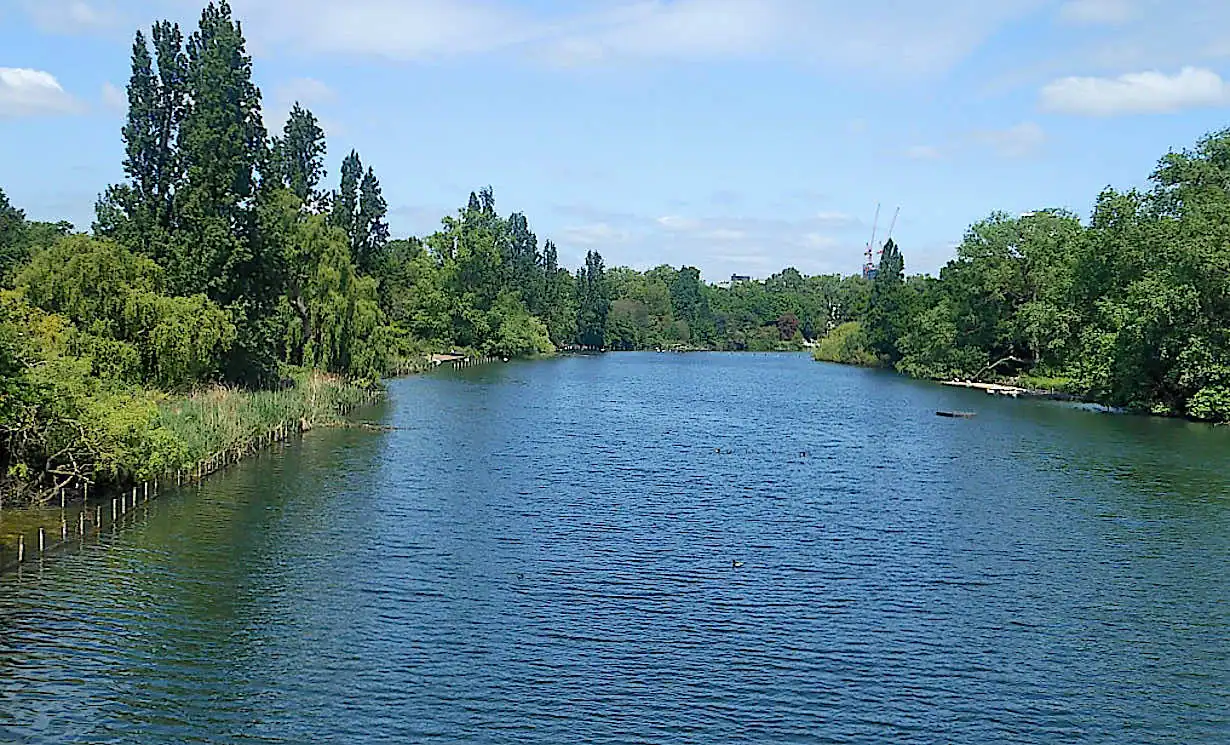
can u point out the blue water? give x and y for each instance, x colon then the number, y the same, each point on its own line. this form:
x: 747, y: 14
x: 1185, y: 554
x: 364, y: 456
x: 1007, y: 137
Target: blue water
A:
x: 541, y: 553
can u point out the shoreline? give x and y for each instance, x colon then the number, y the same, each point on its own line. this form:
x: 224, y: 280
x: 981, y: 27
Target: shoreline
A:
x: 32, y: 532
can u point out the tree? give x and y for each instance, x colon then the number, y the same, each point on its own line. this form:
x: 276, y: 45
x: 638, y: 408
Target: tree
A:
x: 595, y: 301
x: 346, y: 198
x: 371, y: 234
x: 12, y: 235
x: 886, y: 311
x: 787, y: 326
x: 559, y: 298
x: 299, y: 155
x: 111, y: 294
x: 142, y: 213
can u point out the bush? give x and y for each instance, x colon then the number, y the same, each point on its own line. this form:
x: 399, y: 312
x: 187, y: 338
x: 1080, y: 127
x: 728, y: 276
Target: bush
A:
x: 846, y: 344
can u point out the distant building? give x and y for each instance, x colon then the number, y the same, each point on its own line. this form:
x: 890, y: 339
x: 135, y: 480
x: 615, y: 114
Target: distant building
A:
x: 737, y: 278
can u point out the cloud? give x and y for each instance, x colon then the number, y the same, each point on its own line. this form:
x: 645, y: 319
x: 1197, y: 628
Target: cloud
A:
x: 834, y: 219
x: 1097, y: 12
x: 1014, y: 142
x: 876, y: 36
x: 71, y: 16
x: 1136, y: 93
x: 725, y: 235
x: 675, y: 222
x: 593, y: 235
x: 394, y: 29
x: 113, y: 98
x: 828, y: 241
x: 923, y: 152
x: 25, y: 92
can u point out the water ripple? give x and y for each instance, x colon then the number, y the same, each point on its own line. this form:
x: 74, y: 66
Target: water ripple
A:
x: 542, y: 553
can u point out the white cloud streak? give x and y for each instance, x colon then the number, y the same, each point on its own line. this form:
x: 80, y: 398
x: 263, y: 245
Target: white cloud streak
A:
x: 876, y: 36
x: 113, y: 98
x: 71, y: 16
x: 25, y: 92
x: 1097, y: 12
x: 1016, y: 141
x: 923, y: 152
x: 1149, y: 92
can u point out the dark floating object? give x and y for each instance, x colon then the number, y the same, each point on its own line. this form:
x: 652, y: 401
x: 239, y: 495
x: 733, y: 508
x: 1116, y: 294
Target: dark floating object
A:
x: 955, y: 414
x: 736, y: 564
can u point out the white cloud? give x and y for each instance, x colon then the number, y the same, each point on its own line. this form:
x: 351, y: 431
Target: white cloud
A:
x: 725, y: 235
x: 71, y: 16
x: 1136, y: 93
x: 113, y: 98
x: 594, y: 235
x: 675, y: 222
x: 1014, y: 142
x: 817, y: 242
x: 25, y: 92
x: 876, y: 36
x: 1097, y: 12
x: 831, y: 216
x: 923, y: 152
x: 395, y: 29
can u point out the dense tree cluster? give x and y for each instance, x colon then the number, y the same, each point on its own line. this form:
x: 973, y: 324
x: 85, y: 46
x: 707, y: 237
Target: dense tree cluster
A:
x: 1132, y: 309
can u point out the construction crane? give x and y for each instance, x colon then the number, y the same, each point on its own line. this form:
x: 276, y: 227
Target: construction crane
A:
x: 870, y: 267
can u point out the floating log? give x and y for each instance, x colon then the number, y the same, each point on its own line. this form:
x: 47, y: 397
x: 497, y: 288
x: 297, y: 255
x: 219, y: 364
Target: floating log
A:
x: 955, y: 414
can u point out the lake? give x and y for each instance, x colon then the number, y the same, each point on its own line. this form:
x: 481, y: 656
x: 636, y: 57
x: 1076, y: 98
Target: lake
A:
x: 541, y: 552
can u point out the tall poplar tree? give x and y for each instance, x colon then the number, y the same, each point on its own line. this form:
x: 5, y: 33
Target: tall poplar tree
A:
x: 371, y: 233
x: 299, y: 155
x: 595, y: 301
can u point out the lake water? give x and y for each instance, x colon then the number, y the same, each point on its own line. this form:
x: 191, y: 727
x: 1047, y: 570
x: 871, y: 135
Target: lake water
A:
x: 541, y: 553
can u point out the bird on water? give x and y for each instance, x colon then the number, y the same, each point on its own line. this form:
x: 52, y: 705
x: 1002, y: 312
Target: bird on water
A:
x: 736, y: 564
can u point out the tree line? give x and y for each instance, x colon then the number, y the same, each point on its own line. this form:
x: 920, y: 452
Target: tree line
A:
x: 224, y: 258
x: 1131, y: 308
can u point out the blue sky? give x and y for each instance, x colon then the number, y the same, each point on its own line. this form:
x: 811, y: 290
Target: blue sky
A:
x: 733, y: 135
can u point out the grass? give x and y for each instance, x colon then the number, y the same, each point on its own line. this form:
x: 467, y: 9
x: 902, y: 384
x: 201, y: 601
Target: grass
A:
x: 195, y: 429
x: 218, y: 419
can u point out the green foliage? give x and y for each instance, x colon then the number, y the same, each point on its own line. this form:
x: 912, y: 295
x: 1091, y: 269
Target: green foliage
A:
x: 299, y: 155
x: 516, y: 333
x: 847, y: 344
x: 115, y: 298
x: 595, y: 301
x: 12, y: 235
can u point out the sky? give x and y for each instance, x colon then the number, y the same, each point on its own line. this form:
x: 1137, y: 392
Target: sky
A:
x: 737, y: 136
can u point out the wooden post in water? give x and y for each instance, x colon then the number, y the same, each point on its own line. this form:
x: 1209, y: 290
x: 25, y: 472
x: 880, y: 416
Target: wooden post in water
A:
x: 114, y: 509
x: 21, y: 547
x: 98, y: 516
x: 42, y: 540
x: 63, y: 528
x: 81, y: 522
x: 85, y: 492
